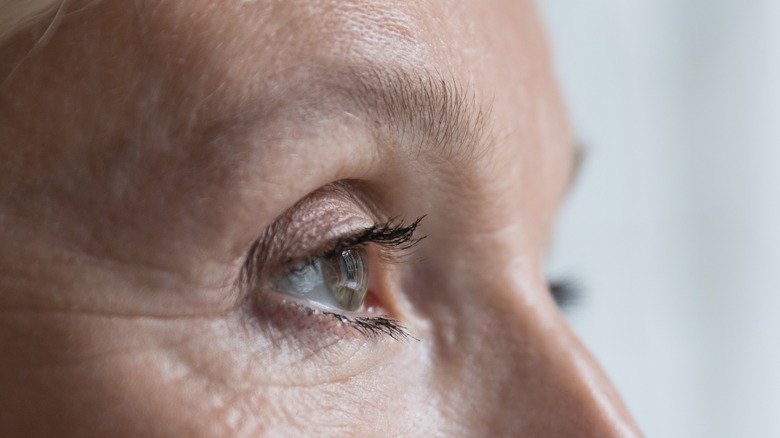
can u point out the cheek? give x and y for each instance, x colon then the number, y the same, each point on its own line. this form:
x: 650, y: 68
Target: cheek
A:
x: 235, y: 395
x: 215, y: 378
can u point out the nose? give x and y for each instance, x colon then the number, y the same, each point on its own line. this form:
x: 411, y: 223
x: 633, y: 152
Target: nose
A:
x: 509, y: 365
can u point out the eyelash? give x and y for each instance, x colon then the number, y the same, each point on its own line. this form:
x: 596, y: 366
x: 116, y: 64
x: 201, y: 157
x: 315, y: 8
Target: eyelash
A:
x: 393, y: 238
x: 370, y: 326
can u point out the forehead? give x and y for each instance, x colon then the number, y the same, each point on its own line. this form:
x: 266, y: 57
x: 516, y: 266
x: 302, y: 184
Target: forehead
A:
x: 272, y: 89
x: 474, y: 41
x: 492, y: 50
x: 284, y: 32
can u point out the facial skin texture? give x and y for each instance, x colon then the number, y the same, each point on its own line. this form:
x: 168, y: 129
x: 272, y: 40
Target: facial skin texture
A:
x: 145, y: 145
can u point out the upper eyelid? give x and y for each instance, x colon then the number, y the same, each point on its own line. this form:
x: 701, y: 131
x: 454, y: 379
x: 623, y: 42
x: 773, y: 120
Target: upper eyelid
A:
x: 392, y: 237
x: 290, y: 235
x: 343, y: 209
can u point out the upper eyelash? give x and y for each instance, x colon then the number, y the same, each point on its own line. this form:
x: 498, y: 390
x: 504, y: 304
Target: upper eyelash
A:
x: 393, y: 235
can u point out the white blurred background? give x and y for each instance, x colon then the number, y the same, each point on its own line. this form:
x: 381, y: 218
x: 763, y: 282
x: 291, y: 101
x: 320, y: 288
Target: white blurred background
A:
x: 674, y: 227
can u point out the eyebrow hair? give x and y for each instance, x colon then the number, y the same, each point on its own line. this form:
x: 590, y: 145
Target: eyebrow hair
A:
x: 427, y: 109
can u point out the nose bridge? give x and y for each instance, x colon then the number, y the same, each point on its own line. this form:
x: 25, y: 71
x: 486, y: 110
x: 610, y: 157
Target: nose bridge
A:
x: 519, y: 369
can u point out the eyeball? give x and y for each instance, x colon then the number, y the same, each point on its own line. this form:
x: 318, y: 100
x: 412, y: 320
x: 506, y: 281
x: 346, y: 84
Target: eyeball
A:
x: 337, y: 281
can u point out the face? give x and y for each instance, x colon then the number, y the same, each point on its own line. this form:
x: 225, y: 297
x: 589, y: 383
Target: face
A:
x: 210, y: 224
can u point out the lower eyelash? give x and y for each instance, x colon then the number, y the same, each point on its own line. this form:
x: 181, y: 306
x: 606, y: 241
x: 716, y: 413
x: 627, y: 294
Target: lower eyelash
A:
x: 375, y: 325
x: 299, y: 316
x: 369, y: 326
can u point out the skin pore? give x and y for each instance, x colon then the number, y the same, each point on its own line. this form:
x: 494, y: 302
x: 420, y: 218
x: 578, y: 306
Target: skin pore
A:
x: 146, y: 147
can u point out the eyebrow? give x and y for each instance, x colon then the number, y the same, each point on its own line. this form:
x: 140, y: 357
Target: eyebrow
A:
x: 428, y: 110
x: 431, y: 111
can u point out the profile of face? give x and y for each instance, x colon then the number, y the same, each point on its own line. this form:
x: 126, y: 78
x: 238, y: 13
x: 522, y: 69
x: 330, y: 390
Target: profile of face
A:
x: 286, y: 218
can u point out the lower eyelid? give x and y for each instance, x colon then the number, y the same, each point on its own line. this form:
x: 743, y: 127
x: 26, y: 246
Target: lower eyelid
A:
x: 289, y: 315
x: 294, y: 346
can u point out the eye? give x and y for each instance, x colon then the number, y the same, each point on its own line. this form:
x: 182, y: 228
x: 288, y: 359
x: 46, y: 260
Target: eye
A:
x: 337, y: 281
x: 315, y: 264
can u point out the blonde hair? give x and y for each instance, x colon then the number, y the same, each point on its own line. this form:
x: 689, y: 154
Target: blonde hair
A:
x: 15, y: 14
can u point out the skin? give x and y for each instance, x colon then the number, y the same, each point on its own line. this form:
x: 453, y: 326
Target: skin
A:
x: 146, y: 145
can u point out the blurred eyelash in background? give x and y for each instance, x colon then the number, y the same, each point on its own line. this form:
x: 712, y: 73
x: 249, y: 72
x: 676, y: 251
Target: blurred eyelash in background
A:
x: 566, y: 292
